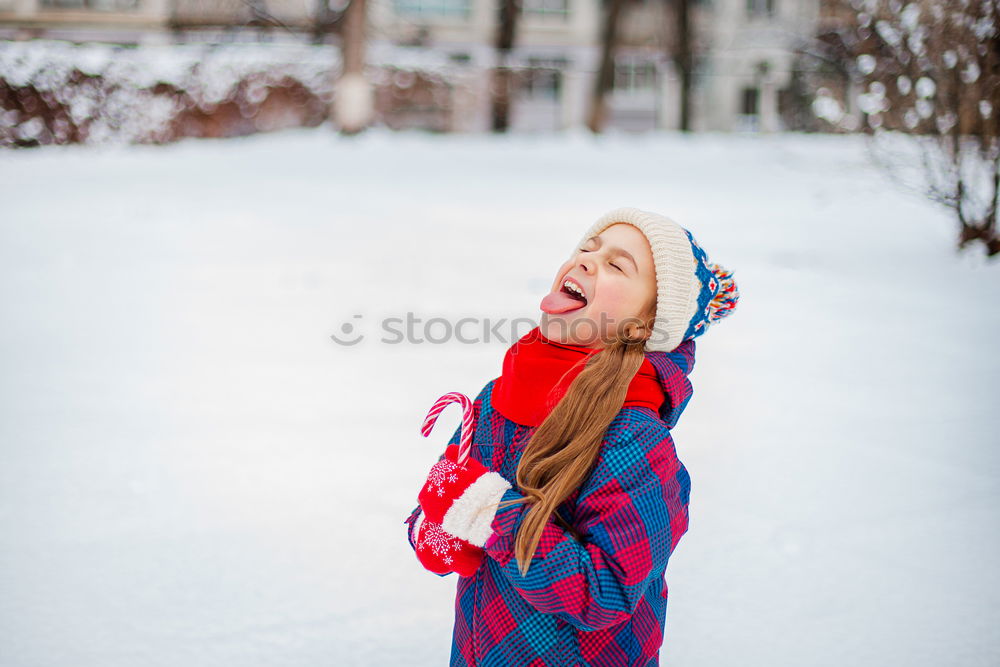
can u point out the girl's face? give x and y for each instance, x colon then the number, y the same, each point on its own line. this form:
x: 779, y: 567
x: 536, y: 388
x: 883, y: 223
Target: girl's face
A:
x: 616, y: 278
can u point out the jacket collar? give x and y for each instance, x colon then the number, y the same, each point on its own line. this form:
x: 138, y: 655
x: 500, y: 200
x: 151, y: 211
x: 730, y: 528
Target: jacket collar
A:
x: 672, y: 371
x: 538, y: 371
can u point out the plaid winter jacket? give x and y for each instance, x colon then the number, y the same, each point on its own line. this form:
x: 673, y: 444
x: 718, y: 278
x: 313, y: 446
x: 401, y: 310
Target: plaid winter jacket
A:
x: 596, y: 598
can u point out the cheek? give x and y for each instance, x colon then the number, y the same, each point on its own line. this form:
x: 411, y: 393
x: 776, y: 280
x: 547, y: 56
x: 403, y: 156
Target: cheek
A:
x: 623, y: 298
x: 617, y: 298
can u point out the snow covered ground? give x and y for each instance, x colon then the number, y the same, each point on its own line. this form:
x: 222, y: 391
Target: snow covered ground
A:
x: 194, y: 474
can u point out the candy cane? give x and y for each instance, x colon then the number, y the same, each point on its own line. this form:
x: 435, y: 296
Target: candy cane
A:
x: 468, y: 421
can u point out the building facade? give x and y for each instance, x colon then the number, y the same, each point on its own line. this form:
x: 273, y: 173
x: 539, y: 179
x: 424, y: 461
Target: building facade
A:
x: 744, y: 50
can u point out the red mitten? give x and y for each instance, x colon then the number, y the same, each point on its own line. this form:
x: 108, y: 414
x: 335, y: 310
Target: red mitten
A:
x: 442, y: 553
x: 462, y: 499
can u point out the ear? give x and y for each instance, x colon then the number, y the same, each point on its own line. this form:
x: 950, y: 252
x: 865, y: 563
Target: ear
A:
x: 637, y: 329
x: 646, y: 329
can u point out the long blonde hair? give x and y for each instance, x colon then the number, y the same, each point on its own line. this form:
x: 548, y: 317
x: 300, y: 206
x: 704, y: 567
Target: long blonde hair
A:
x: 561, y: 452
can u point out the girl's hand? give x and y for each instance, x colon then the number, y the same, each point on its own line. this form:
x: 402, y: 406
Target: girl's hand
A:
x: 441, y: 552
x: 462, y: 499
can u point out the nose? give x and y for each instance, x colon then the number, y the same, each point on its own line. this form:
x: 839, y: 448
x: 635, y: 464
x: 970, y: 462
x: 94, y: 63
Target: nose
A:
x: 587, y: 264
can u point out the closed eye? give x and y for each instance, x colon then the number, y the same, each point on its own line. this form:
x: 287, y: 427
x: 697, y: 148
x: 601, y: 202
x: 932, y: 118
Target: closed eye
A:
x: 582, y: 249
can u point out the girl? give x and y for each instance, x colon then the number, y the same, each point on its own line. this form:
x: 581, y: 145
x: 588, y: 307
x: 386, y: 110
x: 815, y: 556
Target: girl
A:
x: 561, y: 521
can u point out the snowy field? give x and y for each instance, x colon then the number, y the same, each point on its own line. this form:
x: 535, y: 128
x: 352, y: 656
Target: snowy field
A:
x: 194, y: 474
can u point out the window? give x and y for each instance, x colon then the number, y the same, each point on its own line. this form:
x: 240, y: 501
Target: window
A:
x: 757, y: 8
x: 543, y: 77
x: 554, y: 11
x: 749, y: 101
x: 786, y: 98
x: 748, y: 118
x: 107, y: 5
x: 633, y: 76
x: 457, y: 8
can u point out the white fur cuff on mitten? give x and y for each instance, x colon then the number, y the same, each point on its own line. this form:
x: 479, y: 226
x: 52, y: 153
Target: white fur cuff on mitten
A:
x: 470, y: 517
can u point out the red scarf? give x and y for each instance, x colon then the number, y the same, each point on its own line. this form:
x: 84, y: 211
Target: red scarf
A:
x: 537, y: 373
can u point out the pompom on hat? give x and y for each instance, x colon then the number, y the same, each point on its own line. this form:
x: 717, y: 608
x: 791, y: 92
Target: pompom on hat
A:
x: 691, y: 292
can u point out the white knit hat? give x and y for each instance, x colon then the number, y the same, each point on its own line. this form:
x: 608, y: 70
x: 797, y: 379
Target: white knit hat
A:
x: 691, y: 292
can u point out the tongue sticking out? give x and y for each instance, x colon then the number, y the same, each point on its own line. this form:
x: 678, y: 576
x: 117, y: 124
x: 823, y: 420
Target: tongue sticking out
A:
x: 560, y: 302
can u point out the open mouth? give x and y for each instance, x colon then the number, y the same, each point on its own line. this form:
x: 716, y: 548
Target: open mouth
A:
x: 569, y: 297
x: 574, y: 290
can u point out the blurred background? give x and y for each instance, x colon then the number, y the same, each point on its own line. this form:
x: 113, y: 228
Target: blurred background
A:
x: 232, y: 67
x: 213, y: 215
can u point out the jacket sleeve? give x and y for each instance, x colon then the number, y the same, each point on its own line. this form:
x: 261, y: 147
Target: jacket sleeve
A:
x: 630, y: 512
x: 411, y: 520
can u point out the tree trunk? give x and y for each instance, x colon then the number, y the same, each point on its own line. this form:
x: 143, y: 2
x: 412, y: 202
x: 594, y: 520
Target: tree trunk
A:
x: 597, y: 117
x: 502, y: 79
x: 984, y: 230
x: 684, y: 59
x: 353, y: 103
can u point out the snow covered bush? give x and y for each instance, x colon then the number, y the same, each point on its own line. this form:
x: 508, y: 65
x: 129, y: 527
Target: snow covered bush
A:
x: 927, y: 74
x: 55, y: 92
x: 58, y: 92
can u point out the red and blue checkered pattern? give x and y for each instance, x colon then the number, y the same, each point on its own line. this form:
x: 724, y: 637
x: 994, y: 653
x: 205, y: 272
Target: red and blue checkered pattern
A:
x: 596, y: 601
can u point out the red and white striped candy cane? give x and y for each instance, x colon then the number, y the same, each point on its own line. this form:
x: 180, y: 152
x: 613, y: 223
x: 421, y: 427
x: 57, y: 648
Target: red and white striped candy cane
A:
x: 468, y: 422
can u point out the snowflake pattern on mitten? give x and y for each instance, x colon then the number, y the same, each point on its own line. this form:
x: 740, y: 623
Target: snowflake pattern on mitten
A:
x: 440, y: 543
x: 443, y: 471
